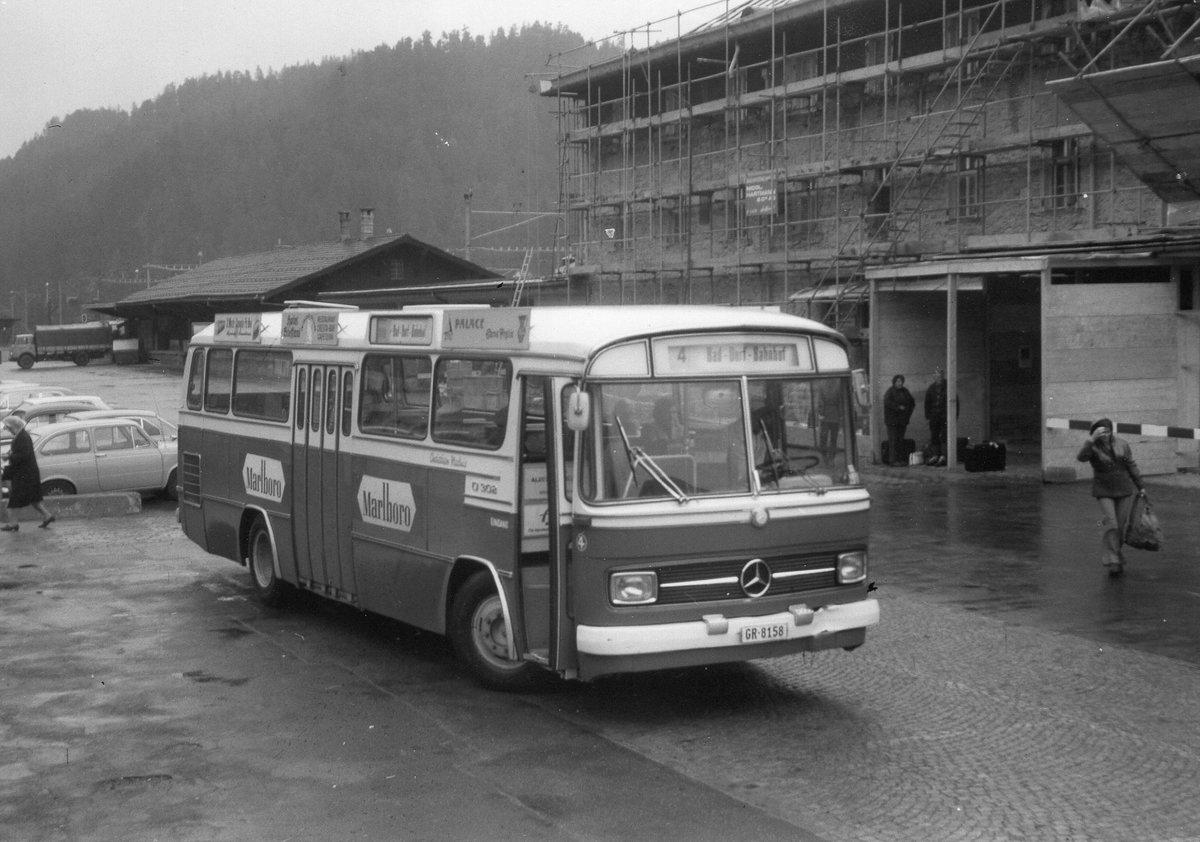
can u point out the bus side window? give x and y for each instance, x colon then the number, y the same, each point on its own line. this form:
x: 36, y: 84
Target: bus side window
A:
x: 347, y: 402
x: 331, y: 396
x: 395, y: 396
x: 472, y: 396
x: 219, y: 383
x: 195, y: 389
x: 301, y: 397
x: 315, y: 415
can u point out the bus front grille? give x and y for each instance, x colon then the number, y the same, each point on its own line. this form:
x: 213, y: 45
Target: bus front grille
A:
x: 721, y: 580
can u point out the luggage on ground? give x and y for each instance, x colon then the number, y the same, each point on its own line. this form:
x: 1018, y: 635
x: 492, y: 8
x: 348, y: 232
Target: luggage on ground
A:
x: 985, y: 456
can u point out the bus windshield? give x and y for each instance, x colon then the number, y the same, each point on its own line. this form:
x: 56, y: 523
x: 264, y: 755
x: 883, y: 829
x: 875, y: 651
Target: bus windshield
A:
x: 688, y: 438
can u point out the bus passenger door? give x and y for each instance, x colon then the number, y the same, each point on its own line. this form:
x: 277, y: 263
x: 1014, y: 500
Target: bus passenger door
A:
x: 541, y: 558
x: 317, y: 479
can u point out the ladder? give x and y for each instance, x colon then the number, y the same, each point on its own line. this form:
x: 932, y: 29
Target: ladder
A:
x: 522, y: 274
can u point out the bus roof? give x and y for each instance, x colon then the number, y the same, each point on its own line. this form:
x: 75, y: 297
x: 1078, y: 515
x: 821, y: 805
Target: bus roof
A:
x: 564, y: 333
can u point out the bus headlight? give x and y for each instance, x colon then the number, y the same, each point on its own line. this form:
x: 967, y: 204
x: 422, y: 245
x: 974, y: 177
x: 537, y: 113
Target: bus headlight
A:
x: 634, y: 588
x: 852, y: 567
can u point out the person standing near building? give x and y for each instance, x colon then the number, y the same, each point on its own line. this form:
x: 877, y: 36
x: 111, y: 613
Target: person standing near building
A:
x: 935, y: 414
x: 898, y: 406
x: 1115, y: 476
x: 23, y: 475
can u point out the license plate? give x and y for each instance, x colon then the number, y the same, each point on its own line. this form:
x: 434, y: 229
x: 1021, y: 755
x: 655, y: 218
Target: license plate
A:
x: 764, y: 633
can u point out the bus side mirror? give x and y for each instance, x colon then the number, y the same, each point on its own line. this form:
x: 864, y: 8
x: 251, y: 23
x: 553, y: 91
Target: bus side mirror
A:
x: 862, y: 388
x: 579, y: 410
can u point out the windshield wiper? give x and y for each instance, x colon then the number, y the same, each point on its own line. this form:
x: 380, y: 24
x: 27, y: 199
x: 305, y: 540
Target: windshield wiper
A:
x: 640, y: 458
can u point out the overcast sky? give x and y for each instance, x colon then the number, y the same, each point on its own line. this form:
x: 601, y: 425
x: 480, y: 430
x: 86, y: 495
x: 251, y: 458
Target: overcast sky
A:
x: 62, y: 55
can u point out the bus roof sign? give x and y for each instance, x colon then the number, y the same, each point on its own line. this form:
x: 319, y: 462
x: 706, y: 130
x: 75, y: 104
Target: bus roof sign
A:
x: 310, y: 327
x: 237, y: 327
x: 500, y: 329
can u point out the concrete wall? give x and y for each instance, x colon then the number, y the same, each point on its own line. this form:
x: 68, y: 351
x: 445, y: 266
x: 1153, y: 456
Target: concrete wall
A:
x: 1110, y: 350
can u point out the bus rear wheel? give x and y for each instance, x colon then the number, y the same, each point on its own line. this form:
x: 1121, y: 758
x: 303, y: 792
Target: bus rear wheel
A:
x: 480, y: 637
x: 81, y: 358
x: 271, y: 591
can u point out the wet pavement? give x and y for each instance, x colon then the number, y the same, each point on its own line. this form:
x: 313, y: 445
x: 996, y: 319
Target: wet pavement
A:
x: 1012, y: 691
x: 1030, y: 553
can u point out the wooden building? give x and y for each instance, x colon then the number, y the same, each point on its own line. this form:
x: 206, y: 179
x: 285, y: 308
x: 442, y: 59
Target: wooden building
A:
x: 383, y: 271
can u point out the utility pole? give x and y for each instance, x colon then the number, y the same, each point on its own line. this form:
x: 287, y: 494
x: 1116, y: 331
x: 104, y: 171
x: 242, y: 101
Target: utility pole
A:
x: 467, y: 247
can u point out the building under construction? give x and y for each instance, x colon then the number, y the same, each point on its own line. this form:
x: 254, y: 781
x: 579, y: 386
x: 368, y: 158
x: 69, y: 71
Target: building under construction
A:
x: 1001, y: 189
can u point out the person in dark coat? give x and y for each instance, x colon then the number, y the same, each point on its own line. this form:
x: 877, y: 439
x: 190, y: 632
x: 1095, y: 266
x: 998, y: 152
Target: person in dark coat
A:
x: 21, y: 472
x: 1115, y: 475
x: 935, y: 414
x: 898, y: 406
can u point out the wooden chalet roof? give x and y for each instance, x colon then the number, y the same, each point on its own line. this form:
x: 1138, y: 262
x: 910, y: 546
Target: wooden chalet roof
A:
x: 269, y: 274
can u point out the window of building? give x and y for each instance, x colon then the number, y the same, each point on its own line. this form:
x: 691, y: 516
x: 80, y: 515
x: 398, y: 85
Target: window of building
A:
x: 966, y: 188
x: 705, y: 209
x: 801, y: 208
x: 1063, y: 174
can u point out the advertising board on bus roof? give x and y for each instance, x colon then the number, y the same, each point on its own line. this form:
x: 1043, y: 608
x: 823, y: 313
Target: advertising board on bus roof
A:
x: 237, y: 327
x: 491, y: 329
x: 310, y: 327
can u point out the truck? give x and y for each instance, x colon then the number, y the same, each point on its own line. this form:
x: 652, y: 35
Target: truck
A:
x: 80, y: 343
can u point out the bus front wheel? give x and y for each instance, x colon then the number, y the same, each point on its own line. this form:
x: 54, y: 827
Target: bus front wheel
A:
x: 480, y: 636
x: 25, y: 361
x: 261, y: 559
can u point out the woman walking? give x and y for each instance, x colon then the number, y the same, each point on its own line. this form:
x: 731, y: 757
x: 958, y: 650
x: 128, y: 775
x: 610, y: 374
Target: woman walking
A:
x: 1114, y: 478
x: 23, y: 475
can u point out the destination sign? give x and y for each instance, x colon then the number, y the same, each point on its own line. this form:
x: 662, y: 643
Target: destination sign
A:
x: 497, y: 329
x: 310, y: 327
x: 732, y: 354
x: 402, y: 330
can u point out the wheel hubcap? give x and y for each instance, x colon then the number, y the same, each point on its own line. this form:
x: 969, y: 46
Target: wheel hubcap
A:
x: 490, y: 631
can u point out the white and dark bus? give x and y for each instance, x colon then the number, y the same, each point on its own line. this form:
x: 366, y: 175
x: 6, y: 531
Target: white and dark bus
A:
x: 585, y: 490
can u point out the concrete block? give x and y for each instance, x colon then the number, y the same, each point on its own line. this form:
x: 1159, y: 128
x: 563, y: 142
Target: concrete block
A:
x: 79, y: 506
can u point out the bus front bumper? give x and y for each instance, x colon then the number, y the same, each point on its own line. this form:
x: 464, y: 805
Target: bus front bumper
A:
x: 808, y: 627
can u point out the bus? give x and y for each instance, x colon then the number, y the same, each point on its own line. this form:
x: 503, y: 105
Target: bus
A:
x: 585, y: 490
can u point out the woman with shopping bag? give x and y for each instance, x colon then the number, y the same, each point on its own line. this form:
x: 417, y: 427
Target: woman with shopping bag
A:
x: 1115, y: 479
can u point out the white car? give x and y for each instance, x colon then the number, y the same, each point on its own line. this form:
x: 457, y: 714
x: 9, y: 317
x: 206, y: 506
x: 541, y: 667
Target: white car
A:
x: 14, y: 393
x: 103, y: 454
x: 155, y: 426
x: 46, y: 410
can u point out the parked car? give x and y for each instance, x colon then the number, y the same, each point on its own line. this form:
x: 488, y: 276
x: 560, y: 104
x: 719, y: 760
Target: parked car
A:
x: 153, y: 424
x: 103, y: 454
x: 13, y: 394
x: 37, y: 412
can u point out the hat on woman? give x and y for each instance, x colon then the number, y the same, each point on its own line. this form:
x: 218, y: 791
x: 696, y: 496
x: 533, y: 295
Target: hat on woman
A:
x: 1106, y: 423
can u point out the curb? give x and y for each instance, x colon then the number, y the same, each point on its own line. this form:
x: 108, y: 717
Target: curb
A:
x: 104, y: 504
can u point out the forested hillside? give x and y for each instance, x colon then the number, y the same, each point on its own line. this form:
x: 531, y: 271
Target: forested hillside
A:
x: 240, y: 162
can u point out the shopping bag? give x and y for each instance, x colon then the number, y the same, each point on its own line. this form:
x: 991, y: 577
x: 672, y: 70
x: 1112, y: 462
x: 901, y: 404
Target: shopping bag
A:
x: 1143, y: 531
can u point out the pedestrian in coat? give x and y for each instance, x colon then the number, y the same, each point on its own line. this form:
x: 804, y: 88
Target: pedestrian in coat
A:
x: 21, y: 472
x: 1115, y: 478
x: 898, y: 406
x: 935, y: 414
